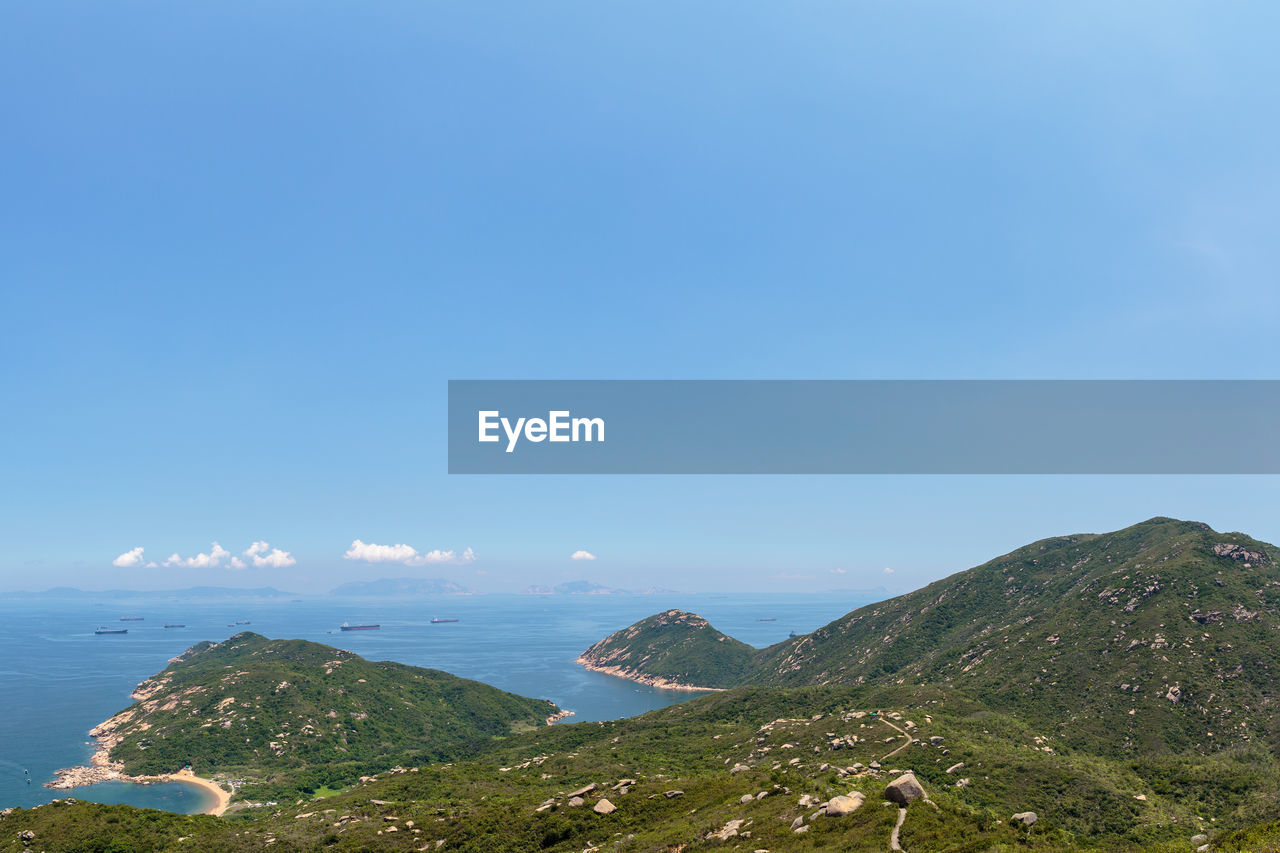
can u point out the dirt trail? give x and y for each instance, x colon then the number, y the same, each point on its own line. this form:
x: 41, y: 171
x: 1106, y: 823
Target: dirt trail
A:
x: 897, y: 827
x: 902, y: 732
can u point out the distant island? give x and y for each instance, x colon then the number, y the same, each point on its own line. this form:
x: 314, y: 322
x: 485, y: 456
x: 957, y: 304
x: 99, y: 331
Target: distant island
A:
x: 188, y: 592
x: 584, y: 587
x: 401, y: 586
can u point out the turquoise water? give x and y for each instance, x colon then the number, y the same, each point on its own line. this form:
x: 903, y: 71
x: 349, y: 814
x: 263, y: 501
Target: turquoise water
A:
x: 62, y: 679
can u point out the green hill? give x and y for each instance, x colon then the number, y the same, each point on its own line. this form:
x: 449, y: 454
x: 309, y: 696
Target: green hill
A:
x: 268, y: 709
x: 673, y: 650
x: 1161, y: 636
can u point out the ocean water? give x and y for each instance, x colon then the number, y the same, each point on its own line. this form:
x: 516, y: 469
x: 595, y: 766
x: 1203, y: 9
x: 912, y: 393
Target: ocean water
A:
x: 61, y: 679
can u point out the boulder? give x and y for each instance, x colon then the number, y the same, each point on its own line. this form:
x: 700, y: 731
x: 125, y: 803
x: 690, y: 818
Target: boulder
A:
x: 797, y: 823
x: 905, y: 789
x: 841, y: 806
x: 1199, y: 839
x: 583, y: 791
x: 935, y: 740
x: 1026, y: 818
x: 604, y: 807
x: 576, y: 801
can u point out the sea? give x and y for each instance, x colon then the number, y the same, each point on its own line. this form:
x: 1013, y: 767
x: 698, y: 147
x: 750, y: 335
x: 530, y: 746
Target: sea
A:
x: 61, y: 679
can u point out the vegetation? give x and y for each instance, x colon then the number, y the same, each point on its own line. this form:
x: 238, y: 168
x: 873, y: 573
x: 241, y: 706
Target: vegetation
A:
x: 293, y: 715
x: 1118, y: 686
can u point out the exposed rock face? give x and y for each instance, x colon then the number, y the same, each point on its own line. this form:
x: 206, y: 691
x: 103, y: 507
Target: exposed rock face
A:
x: 905, y: 789
x: 1238, y: 553
x: 1026, y: 818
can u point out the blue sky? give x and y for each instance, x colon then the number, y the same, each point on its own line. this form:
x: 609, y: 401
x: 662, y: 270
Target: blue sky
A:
x: 245, y: 245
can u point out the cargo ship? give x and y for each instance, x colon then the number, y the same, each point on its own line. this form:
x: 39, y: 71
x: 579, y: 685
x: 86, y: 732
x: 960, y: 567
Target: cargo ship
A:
x: 767, y: 619
x: 347, y: 627
x: 175, y: 625
x: 130, y: 618
x: 242, y: 622
x: 438, y: 621
x: 112, y: 631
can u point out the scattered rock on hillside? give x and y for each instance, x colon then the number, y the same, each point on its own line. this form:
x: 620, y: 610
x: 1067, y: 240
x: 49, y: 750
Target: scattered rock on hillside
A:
x: 604, y: 807
x: 729, y: 830
x: 841, y: 806
x: 1026, y: 818
x: 905, y: 789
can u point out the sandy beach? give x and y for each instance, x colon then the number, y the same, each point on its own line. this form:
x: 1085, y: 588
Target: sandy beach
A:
x: 187, y: 777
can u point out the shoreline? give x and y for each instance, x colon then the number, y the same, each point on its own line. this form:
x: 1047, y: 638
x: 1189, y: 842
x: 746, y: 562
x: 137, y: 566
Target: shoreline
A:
x: 101, y: 768
x: 647, y: 680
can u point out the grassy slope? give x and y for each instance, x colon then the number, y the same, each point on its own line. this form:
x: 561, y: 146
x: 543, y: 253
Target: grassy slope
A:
x: 263, y: 709
x: 1054, y: 630
x: 488, y: 803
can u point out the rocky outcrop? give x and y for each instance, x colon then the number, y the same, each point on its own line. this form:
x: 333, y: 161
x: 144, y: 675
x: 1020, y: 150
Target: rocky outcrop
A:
x: 1026, y: 818
x: 1238, y: 553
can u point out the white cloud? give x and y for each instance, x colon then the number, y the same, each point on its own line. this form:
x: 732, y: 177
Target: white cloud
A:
x: 888, y: 571
x: 152, y: 564
x: 201, y: 561
x: 277, y: 559
x: 129, y: 559
x: 582, y: 555
x: 371, y: 552
x: 238, y: 564
x: 839, y: 571
x: 436, y: 556
x: 255, y: 549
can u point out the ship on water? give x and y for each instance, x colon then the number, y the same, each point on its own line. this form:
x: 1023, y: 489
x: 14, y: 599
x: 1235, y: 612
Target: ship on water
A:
x: 112, y: 631
x: 767, y: 619
x: 174, y: 625
x: 347, y: 627
x: 438, y: 621
x: 131, y: 618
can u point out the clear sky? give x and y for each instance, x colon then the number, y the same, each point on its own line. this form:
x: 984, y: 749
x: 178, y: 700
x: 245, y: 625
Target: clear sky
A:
x: 244, y: 245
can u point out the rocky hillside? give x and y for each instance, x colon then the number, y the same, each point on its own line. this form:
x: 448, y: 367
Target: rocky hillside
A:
x: 749, y: 769
x: 1161, y: 636
x: 257, y: 707
x: 673, y: 650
